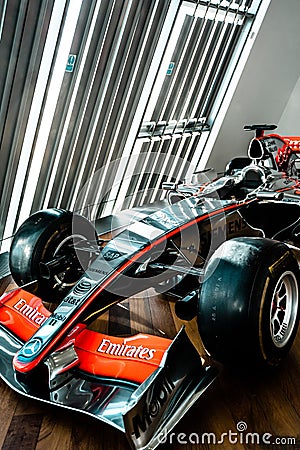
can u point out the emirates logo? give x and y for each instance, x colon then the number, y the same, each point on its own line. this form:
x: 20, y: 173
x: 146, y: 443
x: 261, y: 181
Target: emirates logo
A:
x: 129, y: 351
x: 31, y: 313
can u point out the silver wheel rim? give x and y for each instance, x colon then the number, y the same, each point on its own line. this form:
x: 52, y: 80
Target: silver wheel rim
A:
x: 284, y: 308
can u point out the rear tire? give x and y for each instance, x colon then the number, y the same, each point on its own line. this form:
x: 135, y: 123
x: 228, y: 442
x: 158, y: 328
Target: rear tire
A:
x: 249, y: 303
x: 46, y: 236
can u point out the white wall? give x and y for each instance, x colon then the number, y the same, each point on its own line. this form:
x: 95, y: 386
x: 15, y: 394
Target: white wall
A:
x: 289, y: 123
x: 269, y: 88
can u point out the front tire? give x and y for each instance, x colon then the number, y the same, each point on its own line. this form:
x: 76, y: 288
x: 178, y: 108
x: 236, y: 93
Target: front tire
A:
x: 249, y: 303
x: 52, y: 235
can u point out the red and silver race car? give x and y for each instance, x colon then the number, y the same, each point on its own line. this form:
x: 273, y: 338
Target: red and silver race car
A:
x: 227, y: 250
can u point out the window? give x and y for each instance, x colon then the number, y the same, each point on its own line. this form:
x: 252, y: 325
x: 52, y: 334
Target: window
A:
x: 200, y: 58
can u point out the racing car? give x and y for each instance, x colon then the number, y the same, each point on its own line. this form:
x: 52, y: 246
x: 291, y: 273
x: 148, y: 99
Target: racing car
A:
x: 226, y: 249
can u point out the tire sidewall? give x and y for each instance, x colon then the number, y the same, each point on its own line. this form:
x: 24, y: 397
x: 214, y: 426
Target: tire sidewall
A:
x: 31, y: 242
x: 276, y: 262
x: 236, y: 297
x: 37, y: 240
x: 48, y: 242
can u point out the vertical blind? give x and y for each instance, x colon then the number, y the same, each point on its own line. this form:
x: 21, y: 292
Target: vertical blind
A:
x: 200, y: 58
x: 102, y: 100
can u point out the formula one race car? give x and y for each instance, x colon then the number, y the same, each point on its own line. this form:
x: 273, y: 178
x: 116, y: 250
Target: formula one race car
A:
x: 226, y: 249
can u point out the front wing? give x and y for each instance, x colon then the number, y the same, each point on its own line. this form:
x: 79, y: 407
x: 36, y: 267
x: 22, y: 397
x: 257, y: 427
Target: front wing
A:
x: 143, y: 402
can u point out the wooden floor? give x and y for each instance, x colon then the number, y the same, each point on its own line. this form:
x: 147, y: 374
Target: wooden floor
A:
x: 258, y: 405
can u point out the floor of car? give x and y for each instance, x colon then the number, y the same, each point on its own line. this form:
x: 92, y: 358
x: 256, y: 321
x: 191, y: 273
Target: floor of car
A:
x: 241, y: 409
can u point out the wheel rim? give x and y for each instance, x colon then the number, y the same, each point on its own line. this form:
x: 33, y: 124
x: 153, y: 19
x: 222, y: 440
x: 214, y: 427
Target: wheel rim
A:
x: 284, y: 307
x: 69, y: 277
